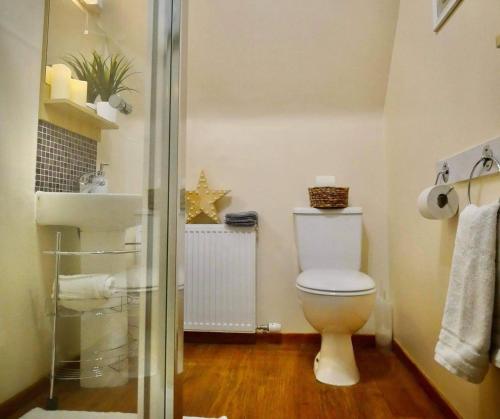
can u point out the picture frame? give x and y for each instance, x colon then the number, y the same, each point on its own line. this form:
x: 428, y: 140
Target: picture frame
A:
x: 442, y: 10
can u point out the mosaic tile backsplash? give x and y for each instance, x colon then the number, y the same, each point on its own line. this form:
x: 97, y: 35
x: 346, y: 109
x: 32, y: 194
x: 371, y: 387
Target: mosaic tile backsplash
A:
x: 61, y: 158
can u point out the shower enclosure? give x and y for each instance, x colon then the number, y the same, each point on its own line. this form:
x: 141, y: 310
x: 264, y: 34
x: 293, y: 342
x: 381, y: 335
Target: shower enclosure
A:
x: 96, y: 311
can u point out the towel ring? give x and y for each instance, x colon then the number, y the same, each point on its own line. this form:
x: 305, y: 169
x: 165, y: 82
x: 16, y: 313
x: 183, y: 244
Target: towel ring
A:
x: 488, y: 157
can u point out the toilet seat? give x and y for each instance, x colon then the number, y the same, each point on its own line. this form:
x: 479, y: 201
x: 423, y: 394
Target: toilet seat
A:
x: 344, y: 282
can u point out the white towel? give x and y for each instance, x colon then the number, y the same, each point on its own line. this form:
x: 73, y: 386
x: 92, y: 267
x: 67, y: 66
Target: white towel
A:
x: 495, y: 336
x: 136, y: 277
x: 38, y: 413
x: 464, y: 342
x: 82, y: 286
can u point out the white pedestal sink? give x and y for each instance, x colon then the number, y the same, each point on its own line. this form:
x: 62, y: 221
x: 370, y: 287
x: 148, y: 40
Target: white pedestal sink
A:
x: 89, y: 212
x: 102, y: 220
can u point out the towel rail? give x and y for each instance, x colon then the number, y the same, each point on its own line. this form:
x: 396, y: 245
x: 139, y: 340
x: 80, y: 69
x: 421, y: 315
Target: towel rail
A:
x: 458, y: 166
x: 487, y: 159
x: 72, y: 370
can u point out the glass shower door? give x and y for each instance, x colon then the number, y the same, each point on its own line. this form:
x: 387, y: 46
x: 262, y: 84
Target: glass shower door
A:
x: 102, y: 222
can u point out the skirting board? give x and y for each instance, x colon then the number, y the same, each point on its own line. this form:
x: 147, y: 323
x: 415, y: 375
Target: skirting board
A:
x: 220, y: 338
x: 22, y: 398
x: 274, y: 338
x: 446, y: 409
x: 358, y: 341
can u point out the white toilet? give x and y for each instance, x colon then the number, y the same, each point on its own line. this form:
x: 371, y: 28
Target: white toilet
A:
x: 336, y: 298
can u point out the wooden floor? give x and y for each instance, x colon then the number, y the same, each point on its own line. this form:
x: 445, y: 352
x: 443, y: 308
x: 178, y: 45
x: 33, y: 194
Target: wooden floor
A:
x: 269, y: 381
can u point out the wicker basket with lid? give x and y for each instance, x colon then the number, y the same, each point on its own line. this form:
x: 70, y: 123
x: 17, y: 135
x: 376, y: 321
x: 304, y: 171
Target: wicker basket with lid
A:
x: 329, y: 197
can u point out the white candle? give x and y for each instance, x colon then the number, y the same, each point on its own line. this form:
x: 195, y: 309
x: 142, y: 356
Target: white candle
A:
x: 322, y: 181
x: 48, y: 74
x: 78, y: 91
x: 59, y: 82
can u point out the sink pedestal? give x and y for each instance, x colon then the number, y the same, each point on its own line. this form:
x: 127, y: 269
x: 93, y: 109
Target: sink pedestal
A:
x: 99, y: 336
x: 104, y: 334
x: 103, y: 220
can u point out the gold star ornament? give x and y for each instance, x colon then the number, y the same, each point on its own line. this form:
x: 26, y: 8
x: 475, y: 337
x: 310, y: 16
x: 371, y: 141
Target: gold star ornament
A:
x: 202, y: 201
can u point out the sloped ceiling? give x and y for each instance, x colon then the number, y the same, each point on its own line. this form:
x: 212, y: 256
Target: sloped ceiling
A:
x: 286, y: 56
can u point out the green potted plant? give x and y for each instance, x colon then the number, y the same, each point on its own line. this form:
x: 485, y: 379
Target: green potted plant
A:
x: 105, y: 76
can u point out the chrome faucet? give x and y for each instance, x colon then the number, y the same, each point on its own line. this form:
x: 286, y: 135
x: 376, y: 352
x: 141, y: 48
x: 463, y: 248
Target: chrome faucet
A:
x: 91, y: 182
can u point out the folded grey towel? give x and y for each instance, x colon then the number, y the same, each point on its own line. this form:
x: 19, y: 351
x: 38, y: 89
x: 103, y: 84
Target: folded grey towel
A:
x: 250, y: 223
x: 242, y: 215
x: 242, y: 219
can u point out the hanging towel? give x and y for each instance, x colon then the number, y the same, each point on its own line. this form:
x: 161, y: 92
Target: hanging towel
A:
x: 495, y: 336
x: 464, y: 342
x: 82, y: 286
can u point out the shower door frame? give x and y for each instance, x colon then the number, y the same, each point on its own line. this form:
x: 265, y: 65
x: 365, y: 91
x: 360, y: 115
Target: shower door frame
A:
x: 163, y: 394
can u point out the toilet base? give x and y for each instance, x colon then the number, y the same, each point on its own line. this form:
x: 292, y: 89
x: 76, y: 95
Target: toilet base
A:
x: 335, y: 363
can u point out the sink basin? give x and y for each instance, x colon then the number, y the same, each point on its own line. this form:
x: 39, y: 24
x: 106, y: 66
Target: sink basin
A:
x: 89, y: 212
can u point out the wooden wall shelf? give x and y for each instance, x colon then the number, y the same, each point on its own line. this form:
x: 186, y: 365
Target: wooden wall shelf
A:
x: 75, y: 111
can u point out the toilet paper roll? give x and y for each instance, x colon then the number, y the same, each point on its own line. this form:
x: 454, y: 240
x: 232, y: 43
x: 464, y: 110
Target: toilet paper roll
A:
x: 325, y: 181
x: 438, y: 202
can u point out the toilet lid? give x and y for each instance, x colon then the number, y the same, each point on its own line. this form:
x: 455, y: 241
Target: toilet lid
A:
x: 335, y: 280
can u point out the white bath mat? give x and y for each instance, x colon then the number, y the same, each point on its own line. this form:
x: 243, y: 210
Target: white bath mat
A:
x: 66, y: 414
x: 63, y: 414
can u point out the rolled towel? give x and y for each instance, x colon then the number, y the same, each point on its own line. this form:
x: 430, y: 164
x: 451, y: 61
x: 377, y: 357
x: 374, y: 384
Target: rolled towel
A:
x: 82, y: 286
x: 132, y: 277
x: 464, y: 342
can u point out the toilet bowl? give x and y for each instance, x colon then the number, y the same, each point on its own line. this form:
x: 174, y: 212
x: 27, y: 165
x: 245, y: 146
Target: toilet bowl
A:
x: 337, y: 313
x: 337, y: 299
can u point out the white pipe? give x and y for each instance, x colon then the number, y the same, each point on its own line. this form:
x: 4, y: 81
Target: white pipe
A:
x: 271, y: 327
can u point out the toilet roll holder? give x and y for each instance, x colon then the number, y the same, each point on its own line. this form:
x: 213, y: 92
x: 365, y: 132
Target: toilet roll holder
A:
x: 444, y: 173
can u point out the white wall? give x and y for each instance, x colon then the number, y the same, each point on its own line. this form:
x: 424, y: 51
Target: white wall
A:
x: 25, y: 275
x: 126, y: 25
x: 278, y: 92
x: 120, y: 28
x: 443, y: 97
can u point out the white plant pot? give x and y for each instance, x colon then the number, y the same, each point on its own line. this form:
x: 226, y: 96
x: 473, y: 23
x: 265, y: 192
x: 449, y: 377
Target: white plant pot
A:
x: 106, y: 111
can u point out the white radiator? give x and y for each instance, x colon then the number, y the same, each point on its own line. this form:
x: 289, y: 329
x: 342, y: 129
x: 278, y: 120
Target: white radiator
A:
x: 219, y: 291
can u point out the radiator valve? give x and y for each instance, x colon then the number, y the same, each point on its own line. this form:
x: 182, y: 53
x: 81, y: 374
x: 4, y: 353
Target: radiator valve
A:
x: 271, y: 327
